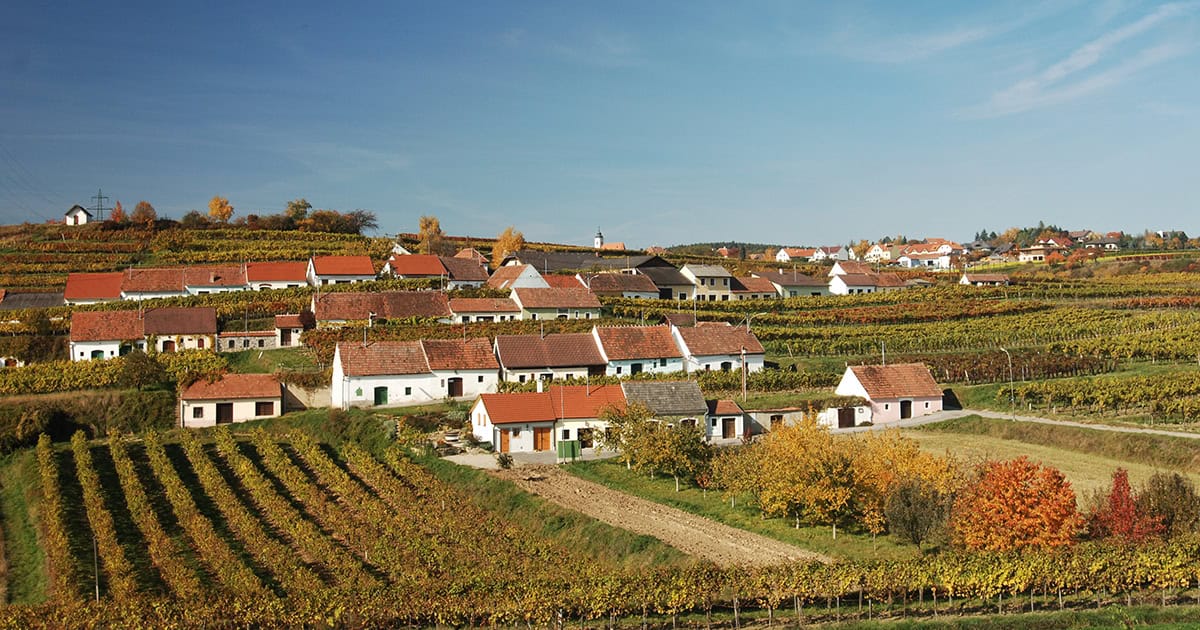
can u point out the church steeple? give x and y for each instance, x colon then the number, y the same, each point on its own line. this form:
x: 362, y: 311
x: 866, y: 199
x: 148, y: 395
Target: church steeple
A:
x: 599, y: 240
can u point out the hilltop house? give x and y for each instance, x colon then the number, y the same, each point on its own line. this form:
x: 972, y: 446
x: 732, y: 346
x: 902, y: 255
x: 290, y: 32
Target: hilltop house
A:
x: 107, y: 334
x: 718, y: 346
x: 77, y: 215
x: 339, y: 270
x: 894, y: 392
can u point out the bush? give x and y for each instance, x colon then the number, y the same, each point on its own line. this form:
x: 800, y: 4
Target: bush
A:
x: 99, y: 413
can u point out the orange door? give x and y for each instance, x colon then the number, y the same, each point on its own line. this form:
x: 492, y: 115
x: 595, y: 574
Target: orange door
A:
x: 541, y: 439
x: 504, y: 436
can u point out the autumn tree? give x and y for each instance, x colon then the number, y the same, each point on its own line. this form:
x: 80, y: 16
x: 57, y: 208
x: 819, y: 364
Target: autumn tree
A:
x: 509, y: 241
x: 675, y: 449
x: 1171, y: 499
x: 430, y: 236
x: 297, y: 210
x: 1118, y: 515
x: 139, y: 370
x: 193, y: 220
x: 220, y: 209
x: 886, y: 459
x: 627, y: 427
x: 807, y: 474
x: 916, y: 510
x: 144, y: 213
x: 118, y: 214
x: 1015, y: 504
x: 735, y: 472
x: 860, y: 249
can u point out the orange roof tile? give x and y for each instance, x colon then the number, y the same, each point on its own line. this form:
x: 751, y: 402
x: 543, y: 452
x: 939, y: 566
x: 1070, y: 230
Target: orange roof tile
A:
x: 518, y: 407
x: 556, y: 298
x: 277, y: 272
x: 215, y: 276
x: 752, y: 285
x: 382, y: 358
x: 637, y: 342
x: 562, y: 281
x: 416, y: 265
x: 460, y: 354
x: 554, y: 350
x: 896, y: 381
x: 717, y: 340
x: 168, y: 280
x: 583, y: 401
x: 93, y: 286
x: 289, y: 321
x: 106, y: 326
x: 503, y: 277
x: 234, y: 387
x: 723, y: 408
x: 343, y: 266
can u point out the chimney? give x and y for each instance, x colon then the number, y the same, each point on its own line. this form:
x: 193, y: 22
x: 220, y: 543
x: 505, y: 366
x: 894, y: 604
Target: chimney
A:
x: 539, y: 385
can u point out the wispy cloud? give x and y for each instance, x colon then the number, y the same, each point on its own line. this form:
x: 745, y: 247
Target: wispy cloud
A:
x: 1057, y: 83
x: 599, y: 48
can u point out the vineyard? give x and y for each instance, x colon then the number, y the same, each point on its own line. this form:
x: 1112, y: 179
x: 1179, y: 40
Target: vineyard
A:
x: 282, y: 530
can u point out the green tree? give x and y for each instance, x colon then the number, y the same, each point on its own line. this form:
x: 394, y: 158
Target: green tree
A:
x: 626, y: 431
x: 917, y: 511
x: 1171, y: 498
x: 297, y: 210
x: 140, y: 370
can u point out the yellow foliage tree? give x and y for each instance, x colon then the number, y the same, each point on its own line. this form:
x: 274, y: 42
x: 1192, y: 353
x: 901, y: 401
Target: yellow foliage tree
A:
x: 220, y: 209
x: 432, y: 239
x: 509, y: 241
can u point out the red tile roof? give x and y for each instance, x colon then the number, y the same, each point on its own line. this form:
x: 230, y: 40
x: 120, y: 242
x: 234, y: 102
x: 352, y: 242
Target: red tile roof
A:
x: 483, y: 305
x: 470, y: 253
x: 503, y: 277
x: 715, y: 340
x: 153, y: 280
x: 180, y: 321
x: 387, y: 305
x: 93, y: 286
x: 246, y: 333
x: 416, y: 265
x: 752, y: 285
x: 277, y: 272
x: 343, y: 266
x: 855, y: 267
x: 723, y: 408
x: 554, y: 350
x: 289, y: 321
x: 896, y: 381
x: 637, y: 342
x: 518, y: 407
x: 562, y: 281
x: 889, y: 280
x: 215, y: 276
x: 464, y: 269
x: 618, y: 283
x: 382, y: 358
x: 460, y: 354
x: 106, y: 326
x: 791, y: 278
x: 556, y: 298
x: 858, y: 279
x: 583, y: 401
x: 234, y: 387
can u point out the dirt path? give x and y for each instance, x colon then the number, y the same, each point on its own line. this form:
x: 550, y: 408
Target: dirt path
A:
x: 694, y: 535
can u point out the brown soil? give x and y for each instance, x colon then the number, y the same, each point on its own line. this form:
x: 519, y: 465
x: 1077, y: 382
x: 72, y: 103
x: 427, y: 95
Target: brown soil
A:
x: 694, y: 535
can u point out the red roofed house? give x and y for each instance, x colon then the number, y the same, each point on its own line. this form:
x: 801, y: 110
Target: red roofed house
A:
x: 390, y: 373
x: 537, y: 421
x: 454, y: 273
x: 339, y: 308
x: 288, y: 329
x: 631, y: 350
x: 719, y: 347
x: 752, y: 288
x: 557, y: 303
x: 725, y: 420
x: 93, y: 288
x: 145, y: 284
x: 339, y: 270
x: 107, y: 334
x: 214, y: 279
x: 232, y: 398
x: 894, y: 392
x: 517, y: 277
x: 276, y: 275
x: 622, y: 285
x: 484, y: 310
x: 555, y: 356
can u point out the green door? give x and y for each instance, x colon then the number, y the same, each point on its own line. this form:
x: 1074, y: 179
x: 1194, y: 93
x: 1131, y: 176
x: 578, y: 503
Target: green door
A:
x: 381, y: 395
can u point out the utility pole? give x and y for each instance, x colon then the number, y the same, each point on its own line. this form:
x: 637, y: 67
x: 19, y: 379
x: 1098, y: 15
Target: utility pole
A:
x: 99, y: 208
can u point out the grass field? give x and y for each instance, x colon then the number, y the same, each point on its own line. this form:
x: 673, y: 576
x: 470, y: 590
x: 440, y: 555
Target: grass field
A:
x: 849, y: 545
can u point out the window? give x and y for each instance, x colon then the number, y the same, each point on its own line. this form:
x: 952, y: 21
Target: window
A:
x: 618, y: 369
x: 635, y: 368
x: 521, y: 378
x: 231, y: 344
x: 566, y: 434
x: 714, y: 423
x: 533, y: 316
x: 927, y: 404
x: 245, y: 343
x: 197, y: 412
x: 480, y: 378
x: 200, y: 343
x: 262, y: 343
x: 264, y: 408
x: 662, y: 363
x: 886, y: 406
x: 408, y: 391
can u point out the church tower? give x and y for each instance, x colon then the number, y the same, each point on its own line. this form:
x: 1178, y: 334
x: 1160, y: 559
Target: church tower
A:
x: 598, y: 242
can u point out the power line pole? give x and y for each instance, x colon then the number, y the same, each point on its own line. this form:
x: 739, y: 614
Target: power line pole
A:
x: 99, y: 198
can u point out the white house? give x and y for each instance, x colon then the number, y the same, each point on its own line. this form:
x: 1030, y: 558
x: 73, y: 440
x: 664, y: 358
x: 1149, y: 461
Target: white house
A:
x: 625, y: 285
x: 933, y: 260
x: 713, y: 282
x: 725, y: 420
x: 339, y: 270
x: 77, y: 215
x: 393, y: 373
x: 517, y: 277
x: 233, y: 398
x: 539, y: 421
x: 93, y: 288
x: 214, y: 279
x: 984, y: 279
x: 850, y: 267
x: 790, y: 284
x: 546, y: 358
x: 276, y: 275
x: 108, y: 334
x: 713, y: 347
x: 150, y: 283
x: 894, y: 392
x: 466, y: 310
x: 629, y: 350
x: 794, y: 254
x: 556, y: 303
x: 849, y: 284
x: 288, y: 329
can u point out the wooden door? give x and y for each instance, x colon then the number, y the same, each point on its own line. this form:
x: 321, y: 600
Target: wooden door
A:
x: 905, y: 409
x: 168, y: 346
x: 845, y: 417
x: 505, y: 436
x: 381, y: 395
x: 454, y: 387
x: 285, y: 337
x: 224, y: 413
x: 728, y: 428
x: 541, y: 438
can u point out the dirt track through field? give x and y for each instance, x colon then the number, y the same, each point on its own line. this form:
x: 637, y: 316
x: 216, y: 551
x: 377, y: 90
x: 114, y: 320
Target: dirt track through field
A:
x: 694, y: 535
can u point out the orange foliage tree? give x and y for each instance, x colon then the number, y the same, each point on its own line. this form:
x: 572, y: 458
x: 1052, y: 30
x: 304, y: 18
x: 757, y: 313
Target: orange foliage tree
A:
x: 1015, y: 504
x: 1119, y: 516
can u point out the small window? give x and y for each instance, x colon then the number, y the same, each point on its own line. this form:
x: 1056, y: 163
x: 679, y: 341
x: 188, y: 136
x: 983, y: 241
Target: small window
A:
x: 533, y: 316
x: 200, y: 343
x: 886, y: 406
x: 618, y: 369
x: 481, y: 380
x: 245, y: 343
x: 197, y: 412
x: 714, y: 423
x: 566, y: 434
x: 927, y: 404
x: 264, y: 408
x: 231, y: 343
x: 662, y: 363
x: 521, y: 378
x: 408, y: 391
x: 262, y: 343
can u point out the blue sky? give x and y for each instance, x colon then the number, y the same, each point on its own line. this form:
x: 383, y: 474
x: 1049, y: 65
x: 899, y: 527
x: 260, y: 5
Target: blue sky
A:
x: 660, y: 122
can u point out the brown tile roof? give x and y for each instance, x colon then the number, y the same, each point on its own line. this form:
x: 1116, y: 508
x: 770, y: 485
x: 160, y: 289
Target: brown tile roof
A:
x: 215, y: 276
x: 637, y: 342
x: 153, y: 280
x: 723, y: 408
x: 986, y: 277
x: 555, y: 350
x: 343, y: 266
x: 93, y: 286
x: 556, y: 298
x: 277, y: 272
x: 382, y: 358
x: 234, y: 387
x: 714, y: 340
x: 859, y: 279
x: 752, y: 285
x: 416, y: 265
x: 889, y: 280
x: 470, y: 253
x: 106, y: 326
x: 464, y: 269
x: 800, y: 252
x: 680, y: 319
x: 790, y: 278
x: 562, y: 281
x: 180, y: 321
x: 483, y: 305
x: 583, y: 401
x: 618, y: 245
x: 503, y: 277
x: 387, y: 305
x: 519, y: 407
x: 289, y: 321
x: 460, y: 354
x: 896, y: 381
x: 855, y: 267
x: 617, y: 283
